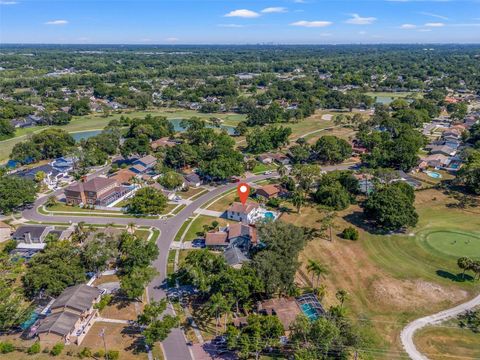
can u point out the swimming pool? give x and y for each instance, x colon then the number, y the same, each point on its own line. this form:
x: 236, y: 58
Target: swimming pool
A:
x: 269, y: 215
x: 434, y: 174
x: 31, y: 320
x: 309, y: 311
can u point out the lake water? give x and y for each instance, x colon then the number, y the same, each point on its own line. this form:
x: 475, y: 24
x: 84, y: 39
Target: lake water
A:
x: 385, y: 100
x: 85, y: 134
x: 176, y: 125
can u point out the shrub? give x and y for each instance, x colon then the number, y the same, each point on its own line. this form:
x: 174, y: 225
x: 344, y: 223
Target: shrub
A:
x: 85, y: 353
x: 34, y: 349
x: 113, y: 355
x: 99, y: 353
x: 104, y: 301
x: 6, y: 347
x: 57, y: 349
x: 274, y: 202
x: 350, y: 233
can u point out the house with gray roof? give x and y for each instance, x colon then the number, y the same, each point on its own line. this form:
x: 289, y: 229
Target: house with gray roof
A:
x: 32, y: 234
x: 235, y: 257
x: 71, y: 317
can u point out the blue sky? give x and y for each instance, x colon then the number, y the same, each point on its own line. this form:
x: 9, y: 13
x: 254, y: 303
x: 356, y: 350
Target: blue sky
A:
x: 239, y: 22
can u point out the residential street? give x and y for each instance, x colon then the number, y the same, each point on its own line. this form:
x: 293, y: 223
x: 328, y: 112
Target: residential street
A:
x: 174, y: 346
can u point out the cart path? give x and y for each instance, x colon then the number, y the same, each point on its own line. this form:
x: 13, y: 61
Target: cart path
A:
x: 409, y: 330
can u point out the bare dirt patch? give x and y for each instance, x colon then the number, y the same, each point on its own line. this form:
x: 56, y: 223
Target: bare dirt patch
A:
x: 408, y: 294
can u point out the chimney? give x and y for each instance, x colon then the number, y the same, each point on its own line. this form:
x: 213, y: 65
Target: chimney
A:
x: 28, y: 238
x: 82, y: 192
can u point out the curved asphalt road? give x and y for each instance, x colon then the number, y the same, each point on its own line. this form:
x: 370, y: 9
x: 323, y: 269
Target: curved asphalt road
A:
x: 174, y: 346
x: 409, y: 330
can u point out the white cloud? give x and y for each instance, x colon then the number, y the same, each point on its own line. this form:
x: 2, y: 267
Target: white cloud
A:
x: 434, y: 15
x: 434, y: 24
x: 408, y: 26
x: 8, y: 2
x: 274, y: 10
x: 311, y: 24
x: 362, y: 33
x: 243, y: 13
x: 358, y: 20
x: 57, y: 22
x: 425, y: 30
x: 172, y: 39
x: 231, y: 25
x: 299, y: 1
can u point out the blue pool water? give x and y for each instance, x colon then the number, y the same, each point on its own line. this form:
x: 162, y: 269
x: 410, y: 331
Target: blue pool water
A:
x: 309, y: 312
x: 434, y: 174
x: 269, y: 215
x: 30, y: 321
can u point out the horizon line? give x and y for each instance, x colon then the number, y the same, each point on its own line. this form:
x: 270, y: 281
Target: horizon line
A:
x: 246, y: 44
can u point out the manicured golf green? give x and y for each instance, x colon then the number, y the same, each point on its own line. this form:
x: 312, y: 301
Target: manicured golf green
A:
x: 454, y: 243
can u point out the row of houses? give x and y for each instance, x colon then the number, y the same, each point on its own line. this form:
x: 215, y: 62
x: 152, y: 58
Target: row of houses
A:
x: 445, y: 146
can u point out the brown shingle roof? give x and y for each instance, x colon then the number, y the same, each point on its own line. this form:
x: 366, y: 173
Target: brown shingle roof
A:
x: 216, y: 238
x: 92, y: 185
x: 123, y: 176
x: 269, y: 190
x: 286, y: 309
x: 148, y: 160
x: 162, y: 142
x: 244, y: 209
x: 237, y: 230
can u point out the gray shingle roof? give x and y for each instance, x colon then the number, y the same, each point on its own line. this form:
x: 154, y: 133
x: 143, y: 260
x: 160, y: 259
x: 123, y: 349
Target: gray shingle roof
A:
x: 34, y: 231
x: 61, y: 323
x: 234, y: 256
x: 79, y: 298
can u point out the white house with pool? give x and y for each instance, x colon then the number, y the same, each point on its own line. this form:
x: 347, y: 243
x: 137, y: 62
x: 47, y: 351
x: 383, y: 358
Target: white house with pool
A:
x: 250, y: 213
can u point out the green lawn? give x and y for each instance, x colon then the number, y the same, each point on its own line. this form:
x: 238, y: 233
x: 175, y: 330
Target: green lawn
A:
x: 65, y: 210
x: 452, y: 243
x: 180, y: 232
x: 441, y: 342
x: 260, y: 168
x: 196, y: 229
x: 432, y: 252
x: 192, y: 191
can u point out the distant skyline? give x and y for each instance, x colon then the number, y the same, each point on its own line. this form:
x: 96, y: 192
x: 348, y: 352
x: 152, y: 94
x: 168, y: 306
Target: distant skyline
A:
x: 239, y: 22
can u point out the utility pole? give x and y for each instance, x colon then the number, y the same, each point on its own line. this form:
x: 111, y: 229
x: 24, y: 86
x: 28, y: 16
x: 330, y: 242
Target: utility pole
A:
x: 102, y: 334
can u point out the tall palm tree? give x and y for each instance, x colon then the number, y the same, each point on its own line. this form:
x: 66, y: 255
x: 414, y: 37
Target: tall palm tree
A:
x: 327, y: 223
x: 216, y: 306
x: 131, y: 227
x: 341, y: 296
x: 316, y: 269
x: 298, y: 199
x: 465, y: 264
x: 282, y: 170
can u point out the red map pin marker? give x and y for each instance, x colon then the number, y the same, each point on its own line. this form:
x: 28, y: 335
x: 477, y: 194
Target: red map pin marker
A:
x: 243, y: 191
